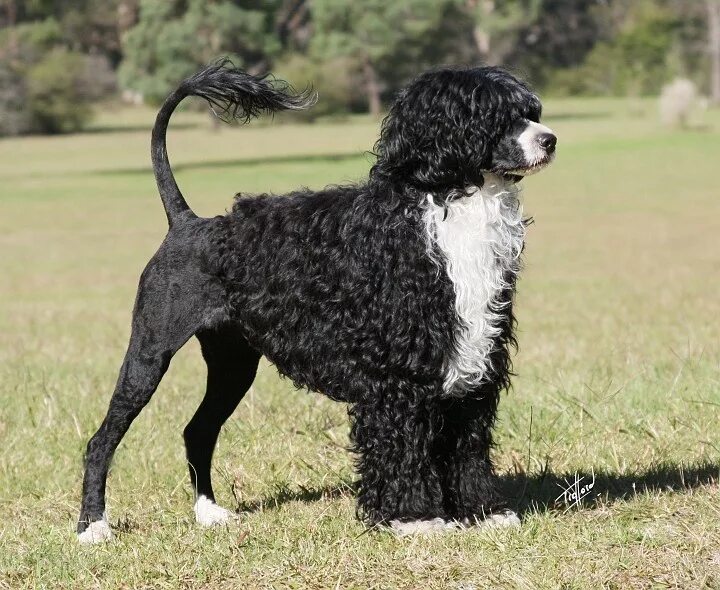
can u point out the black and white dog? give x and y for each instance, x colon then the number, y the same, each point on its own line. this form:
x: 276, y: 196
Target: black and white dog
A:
x: 394, y: 296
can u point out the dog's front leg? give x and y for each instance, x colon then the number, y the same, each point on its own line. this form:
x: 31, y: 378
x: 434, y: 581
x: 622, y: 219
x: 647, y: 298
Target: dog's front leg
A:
x: 469, y: 480
x: 395, y: 437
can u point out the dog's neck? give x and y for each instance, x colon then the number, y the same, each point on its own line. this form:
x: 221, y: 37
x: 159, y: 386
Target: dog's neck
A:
x: 496, y: 187
x: 477, y: 239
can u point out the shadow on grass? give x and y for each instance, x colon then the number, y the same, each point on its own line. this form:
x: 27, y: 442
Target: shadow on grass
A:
x: 549, y: 491
x: 541, y: 492
x: 281, y: 159
x: 306, y: 495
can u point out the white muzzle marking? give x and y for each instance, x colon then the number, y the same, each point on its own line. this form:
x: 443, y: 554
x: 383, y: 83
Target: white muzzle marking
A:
x: 536, y: 156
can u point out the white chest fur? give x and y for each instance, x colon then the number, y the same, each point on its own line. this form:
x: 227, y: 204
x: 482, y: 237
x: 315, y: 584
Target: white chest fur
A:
x: 481, y: 240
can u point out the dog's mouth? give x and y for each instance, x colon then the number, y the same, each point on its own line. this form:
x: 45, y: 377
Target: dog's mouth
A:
x: 533, y: 168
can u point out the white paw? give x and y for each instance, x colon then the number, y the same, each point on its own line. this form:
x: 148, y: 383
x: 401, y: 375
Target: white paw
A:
x: 422, y: 527
x: 97, y: 532
x: 207, y: 513
x: 504, y: 519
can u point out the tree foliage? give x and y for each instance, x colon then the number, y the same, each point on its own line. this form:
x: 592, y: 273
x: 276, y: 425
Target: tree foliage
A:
x: 357, y: 53
x: 174, y: 37
x: 45, y: 86
x: 374, y: 34
x: 497, y: 24
x: 647, y: 47
x: 56, y: 92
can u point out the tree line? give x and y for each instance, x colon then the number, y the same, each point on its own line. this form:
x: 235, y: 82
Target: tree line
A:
x: 58, y: 56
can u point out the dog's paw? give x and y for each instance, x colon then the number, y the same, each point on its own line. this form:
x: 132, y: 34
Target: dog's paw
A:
x: 207, y: 513
x: 96, y: 532
x: 504, y: 519
x: 422, y: 527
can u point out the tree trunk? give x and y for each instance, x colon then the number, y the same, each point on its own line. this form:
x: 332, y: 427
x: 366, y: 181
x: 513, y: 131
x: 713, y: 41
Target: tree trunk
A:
x: 482, y: 11
x: 127, y: 15
x: 482, y: 42
x: 11, y: 12
x: 372, y: 87
x: 11, y: 18
x: 713, y: 9
x: 291, y: 23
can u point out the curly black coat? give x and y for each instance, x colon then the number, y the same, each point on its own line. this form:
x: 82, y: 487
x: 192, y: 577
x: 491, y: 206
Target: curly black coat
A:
x: 338, y: 288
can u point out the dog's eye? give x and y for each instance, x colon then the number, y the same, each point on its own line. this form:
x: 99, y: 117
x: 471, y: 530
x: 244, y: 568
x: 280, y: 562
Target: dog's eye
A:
x: 534, y: 114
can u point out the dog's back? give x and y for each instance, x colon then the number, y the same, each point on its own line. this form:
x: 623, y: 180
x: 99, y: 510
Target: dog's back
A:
x: 333, y: 285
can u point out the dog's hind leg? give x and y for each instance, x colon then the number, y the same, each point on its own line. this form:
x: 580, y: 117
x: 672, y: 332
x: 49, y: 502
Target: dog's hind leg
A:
x: 169, y: 309
x: 231, y: 364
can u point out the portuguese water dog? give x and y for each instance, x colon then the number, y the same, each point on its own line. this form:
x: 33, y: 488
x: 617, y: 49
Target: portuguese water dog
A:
x: 393, y: 295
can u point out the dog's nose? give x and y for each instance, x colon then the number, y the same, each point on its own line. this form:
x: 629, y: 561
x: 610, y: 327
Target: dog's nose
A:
x: 548, y: 142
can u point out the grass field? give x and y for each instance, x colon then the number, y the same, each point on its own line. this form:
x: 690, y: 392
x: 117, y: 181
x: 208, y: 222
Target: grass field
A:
x: 618, y: 372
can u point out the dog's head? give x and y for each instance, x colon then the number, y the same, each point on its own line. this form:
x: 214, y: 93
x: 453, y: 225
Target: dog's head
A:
x: 449, y: 127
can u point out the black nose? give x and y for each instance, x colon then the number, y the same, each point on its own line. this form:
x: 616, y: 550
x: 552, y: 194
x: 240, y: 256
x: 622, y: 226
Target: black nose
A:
x: 548, y: 142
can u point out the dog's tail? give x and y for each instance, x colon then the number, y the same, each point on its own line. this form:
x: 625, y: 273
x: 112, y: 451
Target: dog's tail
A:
x: 232, y: 94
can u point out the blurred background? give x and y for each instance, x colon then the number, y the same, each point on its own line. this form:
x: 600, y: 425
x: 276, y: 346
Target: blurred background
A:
x: 617, y: 371
x: 59, y: 57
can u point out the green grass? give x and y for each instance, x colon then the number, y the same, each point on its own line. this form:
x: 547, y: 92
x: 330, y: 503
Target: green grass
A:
x: 618, y: 371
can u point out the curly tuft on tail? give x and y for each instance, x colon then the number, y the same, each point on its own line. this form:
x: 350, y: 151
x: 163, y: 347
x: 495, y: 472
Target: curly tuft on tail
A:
x: 233, y: 95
